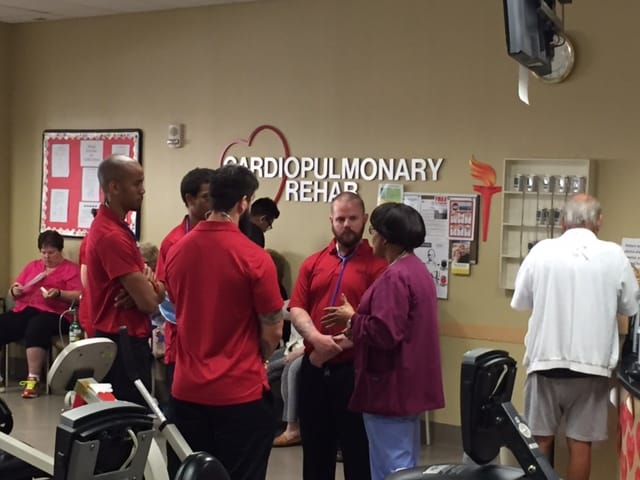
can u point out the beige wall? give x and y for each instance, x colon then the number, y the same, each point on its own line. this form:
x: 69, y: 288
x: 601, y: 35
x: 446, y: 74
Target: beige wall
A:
x: 5, y: 160
x: 384, y: 78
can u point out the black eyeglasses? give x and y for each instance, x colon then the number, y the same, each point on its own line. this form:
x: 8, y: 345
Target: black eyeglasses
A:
x: 371, y: 230
x: 269, y: 222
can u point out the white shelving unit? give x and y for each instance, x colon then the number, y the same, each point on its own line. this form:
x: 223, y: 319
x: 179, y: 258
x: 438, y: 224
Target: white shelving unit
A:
x: 523, y: 219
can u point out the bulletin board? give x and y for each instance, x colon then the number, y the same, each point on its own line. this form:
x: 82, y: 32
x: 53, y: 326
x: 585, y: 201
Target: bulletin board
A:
x: 451, y: 221
x: 70, y: 188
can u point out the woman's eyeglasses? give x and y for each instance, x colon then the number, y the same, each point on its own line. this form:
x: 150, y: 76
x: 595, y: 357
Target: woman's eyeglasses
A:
x: 371, y: 229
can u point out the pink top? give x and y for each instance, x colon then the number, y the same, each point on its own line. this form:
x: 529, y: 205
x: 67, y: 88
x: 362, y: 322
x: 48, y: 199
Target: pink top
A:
x: 65, y: 276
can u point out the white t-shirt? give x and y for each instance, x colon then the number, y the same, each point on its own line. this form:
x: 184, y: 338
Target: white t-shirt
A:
x: 574, y: 285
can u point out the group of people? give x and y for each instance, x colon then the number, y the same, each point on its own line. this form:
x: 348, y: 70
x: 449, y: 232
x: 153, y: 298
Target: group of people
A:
x: 365, y: 313
x: 229, y: 312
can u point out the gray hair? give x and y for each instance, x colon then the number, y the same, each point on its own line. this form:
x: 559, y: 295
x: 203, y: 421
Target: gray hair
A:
x: 581, y: 211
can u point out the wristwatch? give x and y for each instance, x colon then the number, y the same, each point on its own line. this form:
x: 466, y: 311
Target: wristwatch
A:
x: 347, y: 331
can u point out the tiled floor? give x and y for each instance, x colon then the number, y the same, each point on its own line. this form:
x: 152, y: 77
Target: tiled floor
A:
x: 35, y: 421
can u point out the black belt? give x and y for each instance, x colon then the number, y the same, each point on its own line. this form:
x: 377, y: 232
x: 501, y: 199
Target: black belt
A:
x: 562, y: 373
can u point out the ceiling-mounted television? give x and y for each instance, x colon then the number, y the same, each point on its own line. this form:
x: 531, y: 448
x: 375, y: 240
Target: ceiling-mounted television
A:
x: 530, y: 26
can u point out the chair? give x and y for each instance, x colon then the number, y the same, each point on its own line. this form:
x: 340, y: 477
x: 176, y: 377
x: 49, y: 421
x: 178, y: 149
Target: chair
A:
x: 3, y: 309
x: 57, y: 345
x: 7, y: 304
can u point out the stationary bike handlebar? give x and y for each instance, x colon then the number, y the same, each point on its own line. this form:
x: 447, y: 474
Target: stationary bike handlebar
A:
x: 169, y: 430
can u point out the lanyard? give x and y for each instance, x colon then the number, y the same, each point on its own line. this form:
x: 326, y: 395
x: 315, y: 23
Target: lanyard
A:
x: 344, y: 260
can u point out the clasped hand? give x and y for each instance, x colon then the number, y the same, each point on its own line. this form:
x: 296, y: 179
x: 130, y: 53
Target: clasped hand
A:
x: 326, y: 347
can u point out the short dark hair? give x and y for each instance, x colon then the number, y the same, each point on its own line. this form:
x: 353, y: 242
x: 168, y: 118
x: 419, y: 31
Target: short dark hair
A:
x: 193, y: 181
x: 265, y: 206
x: 50, y: 238
x: 229, y: 184
x: 399, y: 224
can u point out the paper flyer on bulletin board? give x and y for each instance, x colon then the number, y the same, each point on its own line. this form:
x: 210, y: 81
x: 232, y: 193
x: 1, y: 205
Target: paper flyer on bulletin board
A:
x: 390, y: 192
x: 450, y: 244
x: 631, y: 247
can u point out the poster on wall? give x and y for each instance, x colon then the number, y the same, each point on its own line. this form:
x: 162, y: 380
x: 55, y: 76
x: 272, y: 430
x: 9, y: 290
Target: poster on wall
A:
x: 70, y: 187
x: 390, y: 192
x: 451, y: 224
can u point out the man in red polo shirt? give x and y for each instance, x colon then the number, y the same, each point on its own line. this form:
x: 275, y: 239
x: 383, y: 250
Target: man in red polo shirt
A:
x: 194, y: 190
x: 347, y: 266
x: 114, y: 263
x: 228, y: 311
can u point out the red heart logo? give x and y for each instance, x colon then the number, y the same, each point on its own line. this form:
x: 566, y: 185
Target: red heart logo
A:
x: 249, y: 141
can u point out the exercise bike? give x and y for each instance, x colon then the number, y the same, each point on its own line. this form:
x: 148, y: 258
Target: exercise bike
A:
x: 489, y: 422
x: 104, y: 439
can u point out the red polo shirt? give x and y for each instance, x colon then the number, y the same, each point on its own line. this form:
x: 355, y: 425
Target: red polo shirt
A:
x: 66, y: 276
x: 220, y: 281
x: 112, y: 253
x: 317, y: 282
x: 83, y: 307
x: 171, y: 239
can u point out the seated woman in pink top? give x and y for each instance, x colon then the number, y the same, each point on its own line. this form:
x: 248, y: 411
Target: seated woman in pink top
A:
x: 43, y: 290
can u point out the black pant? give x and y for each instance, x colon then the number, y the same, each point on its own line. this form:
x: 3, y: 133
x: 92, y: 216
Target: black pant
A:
x: 240, y: 436
x: 35, y: 326
x: 118, y: 375
x: 325, y: 422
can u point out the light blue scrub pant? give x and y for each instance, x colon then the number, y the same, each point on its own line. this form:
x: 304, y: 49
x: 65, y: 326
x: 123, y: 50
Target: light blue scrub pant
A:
x: 394, y: 443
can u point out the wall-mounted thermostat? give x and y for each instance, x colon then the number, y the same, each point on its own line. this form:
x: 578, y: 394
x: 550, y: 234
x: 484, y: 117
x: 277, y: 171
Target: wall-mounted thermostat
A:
x: 174, y: 135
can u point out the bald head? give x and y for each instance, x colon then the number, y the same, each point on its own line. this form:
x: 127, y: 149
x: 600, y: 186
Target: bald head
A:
x: 347, y: 197
x: 115, y: 169
x: 121, y: 180
x: 582, y: 211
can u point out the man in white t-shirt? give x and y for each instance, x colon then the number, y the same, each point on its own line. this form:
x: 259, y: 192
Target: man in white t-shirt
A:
x: 574, y: 286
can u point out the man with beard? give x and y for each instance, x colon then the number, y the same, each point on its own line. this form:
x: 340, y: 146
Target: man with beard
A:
x: 114, y: 264
x: 346, y: 267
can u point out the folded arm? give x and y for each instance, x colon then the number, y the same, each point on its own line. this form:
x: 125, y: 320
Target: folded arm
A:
x: 142, y: 289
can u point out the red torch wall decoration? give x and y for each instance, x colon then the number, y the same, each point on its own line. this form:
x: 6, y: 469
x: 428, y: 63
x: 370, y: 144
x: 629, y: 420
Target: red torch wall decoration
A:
x: 487, y: 175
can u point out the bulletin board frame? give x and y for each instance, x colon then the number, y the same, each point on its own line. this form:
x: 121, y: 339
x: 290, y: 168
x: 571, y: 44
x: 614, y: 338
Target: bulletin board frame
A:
x: 70, y: 187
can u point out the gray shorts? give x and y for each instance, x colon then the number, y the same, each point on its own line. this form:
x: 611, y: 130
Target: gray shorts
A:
x: 581, y: 401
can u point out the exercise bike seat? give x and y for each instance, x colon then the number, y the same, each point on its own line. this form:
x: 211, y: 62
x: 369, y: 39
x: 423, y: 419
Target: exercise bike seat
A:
x: 201, y: 466
x: 459, y: 472
x: 15, y: 469
x: 10, y: 466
